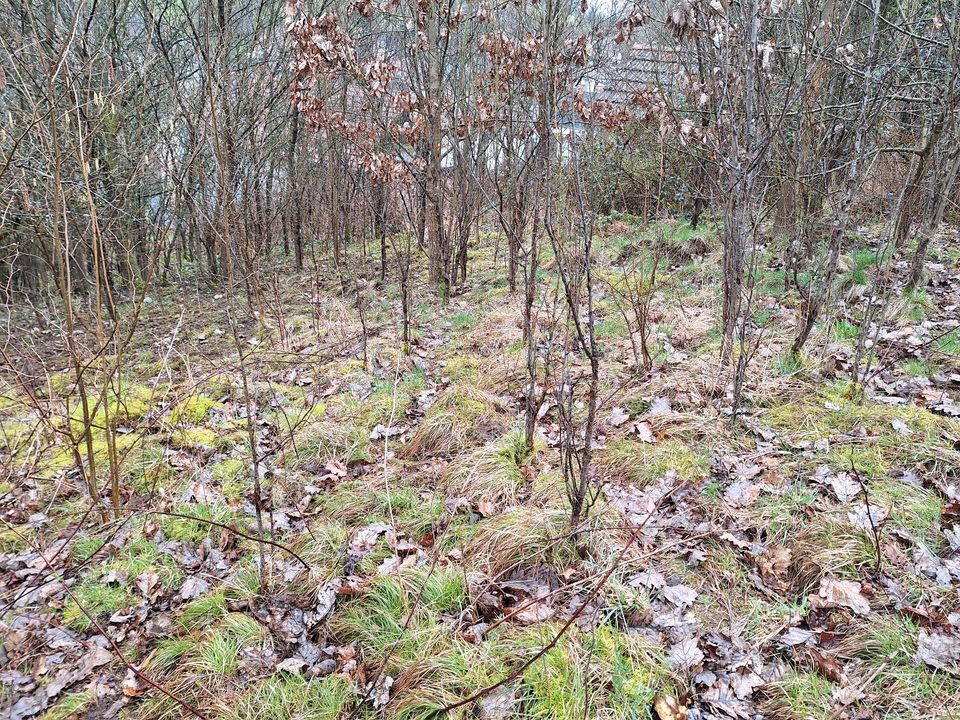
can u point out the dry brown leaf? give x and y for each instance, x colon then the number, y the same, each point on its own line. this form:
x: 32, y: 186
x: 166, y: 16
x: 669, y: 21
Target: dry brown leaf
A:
x: 669, y: 708
x: 841, y: 594
x: 827, y: 665
x: 774, y: 563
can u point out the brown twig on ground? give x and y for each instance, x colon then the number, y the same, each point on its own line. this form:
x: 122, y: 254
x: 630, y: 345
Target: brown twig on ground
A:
x: 873, y: 525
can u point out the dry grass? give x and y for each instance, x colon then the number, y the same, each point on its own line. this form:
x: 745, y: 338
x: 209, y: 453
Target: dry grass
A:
x: 830, y: 546
x: 461, y: 415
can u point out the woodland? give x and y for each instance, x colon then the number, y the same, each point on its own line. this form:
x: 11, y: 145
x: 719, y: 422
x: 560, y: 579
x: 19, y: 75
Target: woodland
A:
x: 496, y: 359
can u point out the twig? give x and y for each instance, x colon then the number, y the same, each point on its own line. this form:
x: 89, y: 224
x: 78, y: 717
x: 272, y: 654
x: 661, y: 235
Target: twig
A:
x: 873, y: 526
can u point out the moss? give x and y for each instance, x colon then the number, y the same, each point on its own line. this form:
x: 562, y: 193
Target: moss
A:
x: 836, y: 409
x: 201, y: 438
x: 231, y: 474
x: 193, y: 410
x: 868, y: 460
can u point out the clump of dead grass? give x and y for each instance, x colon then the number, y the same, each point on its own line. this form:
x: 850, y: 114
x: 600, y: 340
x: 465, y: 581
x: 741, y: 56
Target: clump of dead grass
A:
x: 463, y: 413
x: 829, y: 545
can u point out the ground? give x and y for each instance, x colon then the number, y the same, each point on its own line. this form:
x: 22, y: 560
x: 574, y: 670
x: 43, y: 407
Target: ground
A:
x: 802, y: 563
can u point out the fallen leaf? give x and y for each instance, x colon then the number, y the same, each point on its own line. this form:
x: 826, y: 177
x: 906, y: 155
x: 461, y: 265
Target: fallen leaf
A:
x: 659, y: 406
x: 685, y: 654
x: 841, y: 593
x: 939, y: 650
x: 827, y: 665
x: 844, y: 487
x: 96, y: 657
x: 193, y: 587
x: 131, y: 686
x: 291, y: 665
x: 742, y: 493
x: 797, y: 636
x: 379, y: 691
x: 649, y: 579
x: 680, y: 595
x: 327, y: 598
x: 618, y: 416
x: 669, y: 708
x: 645, y: 432
x: 498, y: 704
x: 774, y: 563
x: 900, y: 426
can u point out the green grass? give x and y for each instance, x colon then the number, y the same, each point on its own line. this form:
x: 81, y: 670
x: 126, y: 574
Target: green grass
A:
x: 98, y: 600
x: 790, y: 364
x: 169, y: 651
x: 799, y: 696
x: 611, y: 328
x: 219, y: 651
x: 843, y: 330
x: 203, y: 611
x: 950, y: 344
x: 918, y: 368
x: 71, y: 705
x: 644, y: 463
x: 286, y: 696
x: 464, y: 321
x: 187, y: 529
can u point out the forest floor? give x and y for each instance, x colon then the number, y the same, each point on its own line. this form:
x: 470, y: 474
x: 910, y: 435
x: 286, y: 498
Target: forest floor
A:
x: 802, y: 565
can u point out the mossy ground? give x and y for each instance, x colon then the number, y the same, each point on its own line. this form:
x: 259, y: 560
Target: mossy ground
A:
x: 470, y: 508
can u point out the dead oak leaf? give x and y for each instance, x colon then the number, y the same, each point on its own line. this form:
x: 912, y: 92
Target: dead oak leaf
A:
x: 827, y: 665
x: 742, y: 493
x: 680, y: 595
x: 685, y: 655
x: 841, y: 594
x: 774, y: 563
x: 618, y: 417
x: 939, y: 650
x: 668, y: 707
